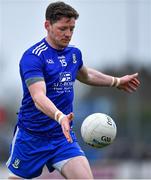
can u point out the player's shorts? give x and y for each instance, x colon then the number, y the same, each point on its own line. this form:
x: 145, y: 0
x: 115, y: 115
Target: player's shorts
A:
x: 30, y: 153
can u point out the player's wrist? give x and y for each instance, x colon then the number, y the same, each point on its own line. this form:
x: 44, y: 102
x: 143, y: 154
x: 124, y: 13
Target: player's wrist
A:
x: 59, y: 116
x: 115, y: 82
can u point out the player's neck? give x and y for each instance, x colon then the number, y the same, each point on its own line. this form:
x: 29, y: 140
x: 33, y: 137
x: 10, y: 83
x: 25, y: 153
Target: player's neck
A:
x: 50, y: 42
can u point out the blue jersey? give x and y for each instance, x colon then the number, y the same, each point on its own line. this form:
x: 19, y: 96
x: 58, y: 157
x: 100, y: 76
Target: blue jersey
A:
x: 59, y: 69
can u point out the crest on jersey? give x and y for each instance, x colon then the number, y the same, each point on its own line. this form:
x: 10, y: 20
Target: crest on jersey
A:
x: 74, y: 58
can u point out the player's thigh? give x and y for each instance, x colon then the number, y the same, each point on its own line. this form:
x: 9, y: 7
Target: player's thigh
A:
x: 13, y: 177
x: 77, y: 168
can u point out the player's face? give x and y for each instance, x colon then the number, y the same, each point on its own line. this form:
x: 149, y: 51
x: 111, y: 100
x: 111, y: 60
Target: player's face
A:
x: 60, y: 32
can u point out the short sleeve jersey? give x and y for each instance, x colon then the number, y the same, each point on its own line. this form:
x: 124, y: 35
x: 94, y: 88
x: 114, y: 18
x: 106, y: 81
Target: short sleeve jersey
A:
x: 58, y: 68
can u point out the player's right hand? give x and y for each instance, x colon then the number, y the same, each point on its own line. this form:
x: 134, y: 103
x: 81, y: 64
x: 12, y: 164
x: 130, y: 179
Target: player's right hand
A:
x: 65, y: 124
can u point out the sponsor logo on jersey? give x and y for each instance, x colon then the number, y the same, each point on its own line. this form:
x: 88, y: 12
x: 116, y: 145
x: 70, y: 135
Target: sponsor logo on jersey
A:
x: 65, y: 77
x: 65, y: 84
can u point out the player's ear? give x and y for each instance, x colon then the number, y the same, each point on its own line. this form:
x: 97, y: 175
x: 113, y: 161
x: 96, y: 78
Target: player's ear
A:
x: 47, y: 25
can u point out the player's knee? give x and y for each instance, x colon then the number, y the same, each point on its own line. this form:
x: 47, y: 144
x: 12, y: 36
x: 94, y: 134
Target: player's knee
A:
x: 14, y: 177
x: 77, y: 168
x: 88, y: 175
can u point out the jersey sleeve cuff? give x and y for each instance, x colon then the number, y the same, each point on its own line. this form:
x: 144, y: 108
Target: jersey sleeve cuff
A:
x: 33, y: 80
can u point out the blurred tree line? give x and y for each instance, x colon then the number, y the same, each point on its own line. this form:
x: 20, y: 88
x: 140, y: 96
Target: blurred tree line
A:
x: 131, y: 112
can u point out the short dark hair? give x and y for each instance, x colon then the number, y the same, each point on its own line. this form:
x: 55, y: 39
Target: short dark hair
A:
x: 55, y: 11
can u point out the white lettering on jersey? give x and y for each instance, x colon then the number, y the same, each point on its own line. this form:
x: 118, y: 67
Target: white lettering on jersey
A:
x: 65, y: 83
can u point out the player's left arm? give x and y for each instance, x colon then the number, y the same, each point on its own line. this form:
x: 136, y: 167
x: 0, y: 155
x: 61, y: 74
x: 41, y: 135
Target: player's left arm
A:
x: 89, y: 76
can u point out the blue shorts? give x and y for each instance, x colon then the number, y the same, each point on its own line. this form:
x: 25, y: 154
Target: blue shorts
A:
x: 30, y: 153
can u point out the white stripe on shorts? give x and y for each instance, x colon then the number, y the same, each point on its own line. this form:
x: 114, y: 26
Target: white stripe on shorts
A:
x: 59, y: 165
x: 13, y: 145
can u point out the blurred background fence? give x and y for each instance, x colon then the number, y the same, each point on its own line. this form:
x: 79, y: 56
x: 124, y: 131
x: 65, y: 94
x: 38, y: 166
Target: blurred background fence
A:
x: 115, y: 37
